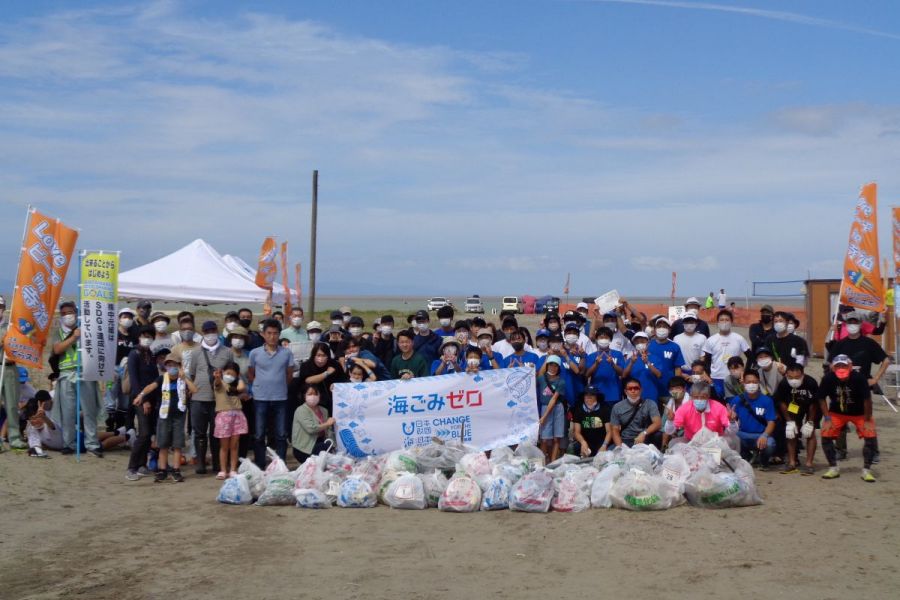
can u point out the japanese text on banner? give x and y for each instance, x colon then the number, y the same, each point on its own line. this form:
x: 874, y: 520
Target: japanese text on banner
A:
x: 98, y: 305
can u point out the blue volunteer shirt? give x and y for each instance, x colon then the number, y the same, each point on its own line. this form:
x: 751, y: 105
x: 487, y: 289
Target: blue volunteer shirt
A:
x: 270, y: 383
x: 762, y: 406
x: 648, y: 381
x: 527, y: 358
x: 605, y: 377
x: 456, y: 367
x: 666, y: 357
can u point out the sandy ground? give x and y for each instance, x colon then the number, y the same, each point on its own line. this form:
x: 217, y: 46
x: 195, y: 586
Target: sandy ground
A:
x: 80, y: 530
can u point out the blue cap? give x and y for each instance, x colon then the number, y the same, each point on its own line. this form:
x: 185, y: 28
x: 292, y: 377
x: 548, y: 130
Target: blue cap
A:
x: 209, y: 326
x: 542, y: 333
x: 555, y: 360
x: 612, y: 314
x: 23, y: 374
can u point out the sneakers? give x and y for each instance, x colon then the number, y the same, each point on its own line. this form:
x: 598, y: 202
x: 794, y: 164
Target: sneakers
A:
x: 37, y: 453
x: 832, y: 473
x: 177, y: 476
x: 867, y: 476
x: 131, y: 475
x: 160, y: 477
x: 808, y: 470
x: 790, y: 470
x: 98, y: 452
x: 144, y: 472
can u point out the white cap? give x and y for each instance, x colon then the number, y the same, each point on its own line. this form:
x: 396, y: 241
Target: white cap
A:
x: 126, y: 310
x: 690, y: 313
x: 314, y: 325
x: 692, y: 300
x: 582, y: 305
x: 663, y: 320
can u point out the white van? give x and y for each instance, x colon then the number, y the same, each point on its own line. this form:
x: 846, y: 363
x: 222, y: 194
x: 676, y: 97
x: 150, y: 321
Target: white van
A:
x: 511, y: 303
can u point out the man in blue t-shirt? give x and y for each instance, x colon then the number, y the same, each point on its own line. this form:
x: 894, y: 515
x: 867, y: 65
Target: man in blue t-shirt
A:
x: 666, y: 356
x: 755, y: 414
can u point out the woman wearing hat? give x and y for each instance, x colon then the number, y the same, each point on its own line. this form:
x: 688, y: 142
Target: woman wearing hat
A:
x: 551, y: 400
x: 449, y: 361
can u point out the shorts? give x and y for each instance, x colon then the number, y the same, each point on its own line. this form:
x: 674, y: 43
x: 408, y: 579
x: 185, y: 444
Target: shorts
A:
x: 555, y: 425
x: 230, y: 423
x: 839, y: 422
x: 170, y: 431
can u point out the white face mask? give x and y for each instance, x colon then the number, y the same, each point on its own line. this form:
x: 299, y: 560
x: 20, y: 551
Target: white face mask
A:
x: 571, y: 339
x: 237, y: 343
x: 640, y: 347
x: 145, y: 342
x: 484, y: 342
x: 853, y: 328
x: 473, y: 362
x: 751, y: 388
x: 690, y: 327
x: 160, y: 326
x: 445, y: 322
x: 386, y: 330
x: 312, y: 400
x: 296, y: 322
x: 228, y: 379
x: 337, y: 322
x: 463, y: 337
x: 355, y: 379
x: 794, y: 383
x: 633, y: 397
x: 230, y: 325
x: 603, y: 343
x: 556, y: 347
x: 69, y: 321
x: 542, y: 345
x: 779, y: 326
x: 724, y: 326
x: 126, y: 323
x: 662, y: 333
x: 211, y: 339
x: 696, y: 378
x: 187, y: 336
x: 764, y: 363
x: 611, y: 324
x: 315, y: 337
x: 791, y: 328
x: 355, y: 331
x: 423, y: 327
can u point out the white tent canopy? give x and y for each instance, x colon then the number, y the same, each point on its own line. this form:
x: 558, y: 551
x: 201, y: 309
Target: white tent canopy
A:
x: 195, y: 273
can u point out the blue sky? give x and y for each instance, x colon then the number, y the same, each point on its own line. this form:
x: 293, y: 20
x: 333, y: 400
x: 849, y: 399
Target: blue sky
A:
x: 466, y: 147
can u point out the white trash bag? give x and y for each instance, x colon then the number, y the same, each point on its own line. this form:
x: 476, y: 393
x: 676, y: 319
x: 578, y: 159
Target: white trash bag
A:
x: 637, y: 490
x: 235, y: 490
x: 279, y: 490
x: 406, y: 492
x: 255, y: 477
x: 533, y: 492
x: 434, y: 484
x: 276, y: 466
x: 311, y: 498
x: 401, y: 461
x: 496, y: 495
x: 477, y: 466
x: 603, y: 483
x: 463, y: 494
x: 573, y: 491
x: 725, y: 489
x: 356, y: 493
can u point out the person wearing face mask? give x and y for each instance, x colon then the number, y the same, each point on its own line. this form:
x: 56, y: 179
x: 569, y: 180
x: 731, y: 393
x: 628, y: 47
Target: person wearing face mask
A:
x: 449, y: 362
x: 161, y: 337
x: 619, y: 342
x: 701, y: 412
x: 520, y: 356
x: 321, y: 371
x: 352, y: 353
x: 144, y: 368
x: 206, y: 361
x: 313, y: 429
x: 866, y: 327
x: 346, y: 314
x: 699, y: 374
x: 551, y: 404
x: 408, y: 363
x: 541, y: 343
x: 445, y: 319
x: 755, y: 414
x: 118, y: 402
x: 605, y: 367
x: 426, y: 343
x: 584, y: 311
x: 231, y: 423
x: 761, y: 330
x: 689, y: 339
x: 786, y: 347
x: 237, y: 341
x: 666, y: 356
x: 489, y: 358
x: 642, y: 368
x: 502, y: 346
x: 845, y: 398
x: 294, y: 331
x: 144, y: 309
x: 590, y: 422
x: 720, y: 347
x: 336, y: 318
x: 314, y: 331
x: 553, y: 323
x: 677, y: 397
x: 231, y: 321
x: 734, y: 385
x: 65, y: 347
x: 473, y: 359
x: 797, y: 404
x: 384, y: 340
x: 355, y: 329
x: 574, y: 318
x: 11, y: 390
x: 691, y: 306
x: 636, y: 419
x: 359, y: 374
x: 254, y: 338
x: 462, y: 331
x: 770, y: 372
x: 187, y: 341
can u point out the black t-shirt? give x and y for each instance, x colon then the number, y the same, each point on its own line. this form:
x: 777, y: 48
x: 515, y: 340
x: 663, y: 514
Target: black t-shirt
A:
x: 758, y: 335
x: 125, y: 343
x: 592, y: 423
x: 863, y: 351
x: 309, y: 368
x: 845, y: 397
x: 787, y: 349
x: 803, y: 396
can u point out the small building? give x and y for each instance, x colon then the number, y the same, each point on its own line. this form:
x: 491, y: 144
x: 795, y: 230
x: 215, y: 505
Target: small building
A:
x: 821, y: 302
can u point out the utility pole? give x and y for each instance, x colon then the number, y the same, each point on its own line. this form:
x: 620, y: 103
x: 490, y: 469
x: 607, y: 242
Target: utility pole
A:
x: 312, y: 247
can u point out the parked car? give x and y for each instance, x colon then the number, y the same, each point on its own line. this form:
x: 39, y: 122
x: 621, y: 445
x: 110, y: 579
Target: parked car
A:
x: 546, y: 304
x: 438, y: 302
x: 474, y: 305
x: 511, y: 304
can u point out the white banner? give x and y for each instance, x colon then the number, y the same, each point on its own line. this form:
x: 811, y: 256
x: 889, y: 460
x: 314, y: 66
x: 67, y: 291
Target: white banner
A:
x: 99, y: 298
x: 607, y: 302
x: 486, y: 410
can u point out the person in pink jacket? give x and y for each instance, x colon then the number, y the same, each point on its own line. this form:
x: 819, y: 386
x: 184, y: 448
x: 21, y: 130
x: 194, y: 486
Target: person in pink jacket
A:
x: 701, y: 412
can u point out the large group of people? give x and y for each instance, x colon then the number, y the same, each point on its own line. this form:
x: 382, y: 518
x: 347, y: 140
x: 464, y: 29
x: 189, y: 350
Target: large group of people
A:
x: 602, y: 380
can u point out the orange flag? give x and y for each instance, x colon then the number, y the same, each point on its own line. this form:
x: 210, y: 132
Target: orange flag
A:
x: 297, y: 281
x: 284, y: 274
x: 267, y: 269
x: 862, y: 286
x: 46, y: 254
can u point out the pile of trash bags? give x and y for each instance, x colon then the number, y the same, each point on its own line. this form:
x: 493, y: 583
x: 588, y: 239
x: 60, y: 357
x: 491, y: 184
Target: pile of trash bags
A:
x: 706, y: 472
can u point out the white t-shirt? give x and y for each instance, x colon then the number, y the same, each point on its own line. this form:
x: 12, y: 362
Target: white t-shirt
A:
x: 691, y: 346
x: 722, y: 299
x: 44, y: 437
x: 721, y: 348
x: 622, y: 344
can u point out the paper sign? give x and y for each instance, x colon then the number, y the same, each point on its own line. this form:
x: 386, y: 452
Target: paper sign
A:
x: 301, y: 351
x: 715, y: 453
x: 675, y: 313
x: 607, y: 302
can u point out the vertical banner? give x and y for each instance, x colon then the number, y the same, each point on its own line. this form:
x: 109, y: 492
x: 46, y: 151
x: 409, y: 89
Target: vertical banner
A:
x: 566, y: 287
x: 674, y: 279
x: 896, y: 228
x: 267, y: 269
x: 98, y: 304
x: 299, y: 289
x: 284, y: 275
x: 862, y: 286
x: 47, y: 249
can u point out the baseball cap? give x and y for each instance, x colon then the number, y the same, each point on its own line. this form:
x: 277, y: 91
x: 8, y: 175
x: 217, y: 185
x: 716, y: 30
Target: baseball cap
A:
x: 144, y: 303
x: 238, y: 330
x: 692, y: 300
x: 766, y: 308
x: 126, y: 311
x: 314, y: 326
x: 542, y: 333
x: 345, y: 310
x: 763, y: 350
x: 336, y: 314
x: 355, y: 321
x: 640, y: 334
x: 160, y: 315
x: 853, y: 314
x: 663, y: 320
x: 841, y: 359
x: 582, y: 305
x: 591, y: 390
x: 421, y: 314
x: 572, y: 326
x: 209, y: 326
x: 690, y: 314
x: 555, y: 360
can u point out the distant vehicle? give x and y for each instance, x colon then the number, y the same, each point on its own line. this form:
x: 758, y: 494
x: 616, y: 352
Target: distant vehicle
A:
x: 511, y: 304
x: 438, y: 302
x: 546, y: 304
x: 474, y: 305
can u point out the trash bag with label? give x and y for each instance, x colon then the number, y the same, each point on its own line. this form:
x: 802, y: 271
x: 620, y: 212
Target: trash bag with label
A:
x: 406, y: 492
x: 603, y: 483
x: 496, y: 494
x: 254, y: 476
x: 637, y: 490
x: 356, y: 493
x: 310, y: 498
x: 279, y: 490
x: 695, y: 457
x: 573, y: 491
x: 434, y: 484
x: 606, y: 457
x: 235, y: 490
x: 533, y: 492
x: 463, y: 494
x: 387, y: 478
x: 675, y: 470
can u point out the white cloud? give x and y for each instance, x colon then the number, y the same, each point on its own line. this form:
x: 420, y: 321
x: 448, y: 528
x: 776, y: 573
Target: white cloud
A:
x: 666, y: 263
